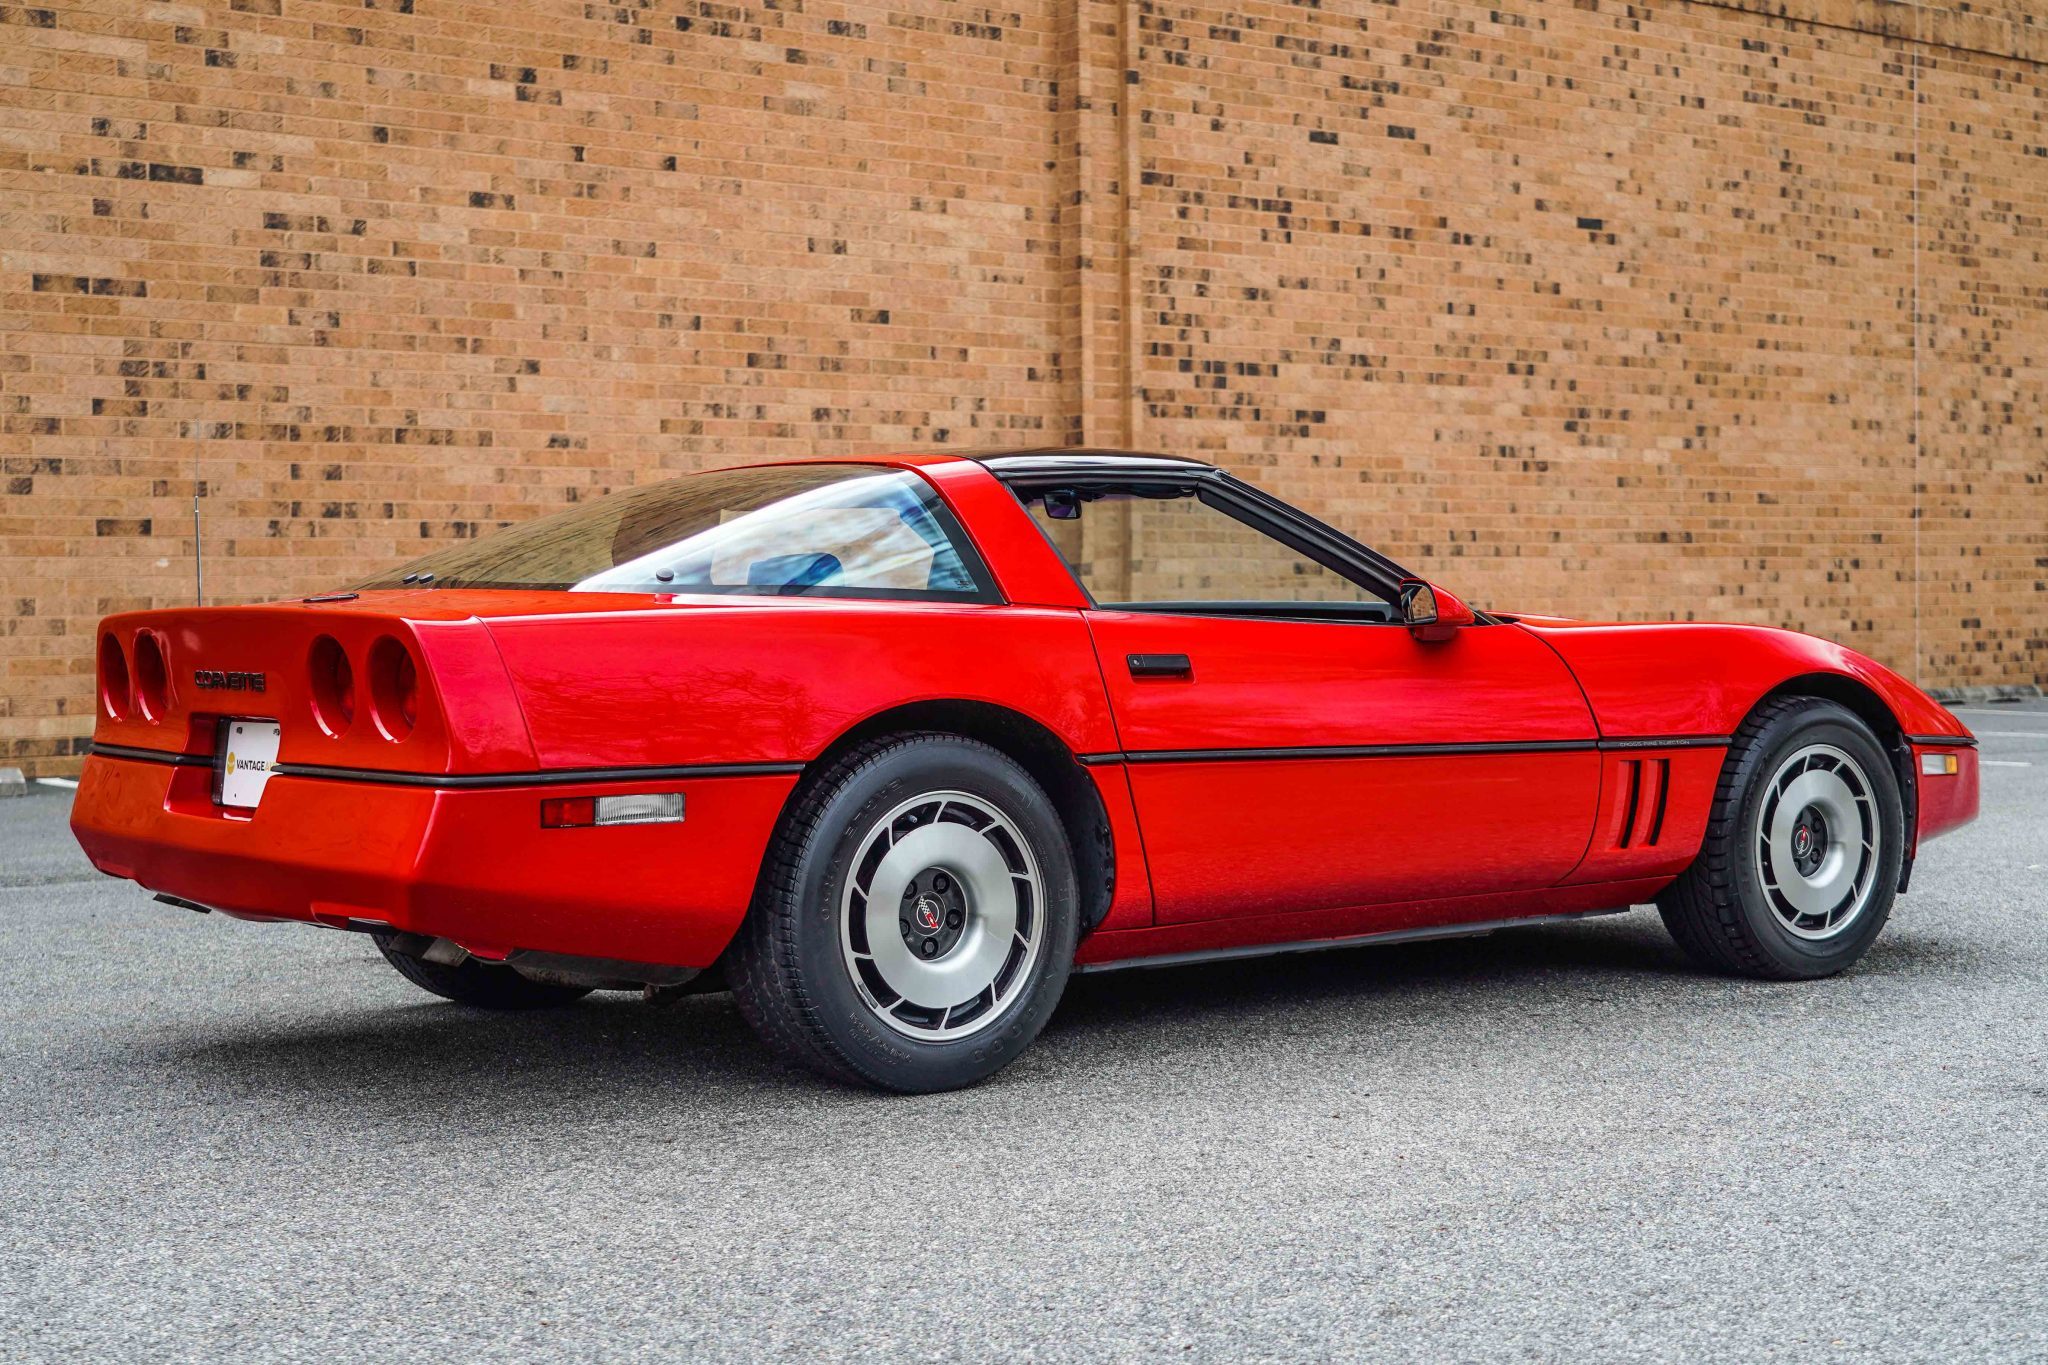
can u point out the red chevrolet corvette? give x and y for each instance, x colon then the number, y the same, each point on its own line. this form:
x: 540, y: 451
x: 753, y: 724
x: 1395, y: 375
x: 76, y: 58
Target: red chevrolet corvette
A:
x: 892, y: 746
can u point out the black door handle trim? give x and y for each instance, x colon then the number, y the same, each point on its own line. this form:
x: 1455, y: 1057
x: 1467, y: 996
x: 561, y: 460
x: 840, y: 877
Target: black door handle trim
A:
x: 1160, y: 665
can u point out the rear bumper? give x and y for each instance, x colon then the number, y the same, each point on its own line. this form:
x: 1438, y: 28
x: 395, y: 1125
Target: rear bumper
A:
x: 472, y: 864
x: 1944, y: 800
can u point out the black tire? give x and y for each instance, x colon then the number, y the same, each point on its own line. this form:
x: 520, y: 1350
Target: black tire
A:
x: 485, y: 986
x: 788, y: 965
x: 1724, y: 912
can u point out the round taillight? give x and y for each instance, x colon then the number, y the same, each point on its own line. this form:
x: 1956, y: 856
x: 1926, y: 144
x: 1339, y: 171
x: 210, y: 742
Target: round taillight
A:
x: 334, y: 685
x: 394, y: 688
x: 115, y: 694
x: 152, y: 678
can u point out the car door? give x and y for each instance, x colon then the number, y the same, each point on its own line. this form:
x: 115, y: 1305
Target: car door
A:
x: 1290, y: 745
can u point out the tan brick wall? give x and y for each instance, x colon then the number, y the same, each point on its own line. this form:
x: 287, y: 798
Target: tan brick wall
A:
x: 1602, y: 307
x: 1983, y: 369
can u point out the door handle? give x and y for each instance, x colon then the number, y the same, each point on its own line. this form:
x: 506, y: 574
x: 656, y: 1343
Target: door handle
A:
x: 1160, y: 665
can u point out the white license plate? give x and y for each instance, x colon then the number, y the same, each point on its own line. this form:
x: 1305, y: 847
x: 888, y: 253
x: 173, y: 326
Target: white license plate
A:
x: 248, y: 754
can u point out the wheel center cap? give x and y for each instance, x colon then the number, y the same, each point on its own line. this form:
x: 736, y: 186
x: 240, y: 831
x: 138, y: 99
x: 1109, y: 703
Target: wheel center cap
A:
x: 933, y: 915
x: 1809, y: 841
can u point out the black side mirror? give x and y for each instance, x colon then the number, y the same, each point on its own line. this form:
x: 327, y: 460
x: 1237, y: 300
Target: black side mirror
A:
x: 1063, y: 504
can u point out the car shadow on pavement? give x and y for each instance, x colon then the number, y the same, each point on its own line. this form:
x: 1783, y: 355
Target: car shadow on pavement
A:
x: 1593, y: 956
x: 442, y: 1059
x: 1595, y: 959
x: 433, y: 1057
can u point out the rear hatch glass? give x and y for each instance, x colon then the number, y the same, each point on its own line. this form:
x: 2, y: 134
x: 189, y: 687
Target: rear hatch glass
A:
x: 819, y: 530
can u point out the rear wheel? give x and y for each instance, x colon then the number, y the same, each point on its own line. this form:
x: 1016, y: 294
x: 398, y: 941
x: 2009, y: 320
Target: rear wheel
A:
x: 1803, y: 849
x: 470, y: 982
x: 916, y: 919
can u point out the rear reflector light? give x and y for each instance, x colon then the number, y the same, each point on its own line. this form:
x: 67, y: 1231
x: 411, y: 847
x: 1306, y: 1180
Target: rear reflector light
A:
x: 645, y: 808
x: 568, y: 812
x: 1938, y: 765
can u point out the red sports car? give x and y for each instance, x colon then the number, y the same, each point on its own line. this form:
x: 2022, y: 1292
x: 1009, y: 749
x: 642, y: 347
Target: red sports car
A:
x: 892, y: 746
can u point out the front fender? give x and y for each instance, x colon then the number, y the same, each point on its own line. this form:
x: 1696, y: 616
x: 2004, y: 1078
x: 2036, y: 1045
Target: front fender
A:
x: 1702, y: 679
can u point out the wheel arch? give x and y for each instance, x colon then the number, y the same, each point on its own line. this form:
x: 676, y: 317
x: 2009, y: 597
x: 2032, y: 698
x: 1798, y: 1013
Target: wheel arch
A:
x: 1869, y: 706
x: 1036, y: 749
x: 1853, y: 693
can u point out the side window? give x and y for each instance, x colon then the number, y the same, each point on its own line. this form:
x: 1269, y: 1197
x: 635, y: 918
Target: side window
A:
x: 1137, y: 551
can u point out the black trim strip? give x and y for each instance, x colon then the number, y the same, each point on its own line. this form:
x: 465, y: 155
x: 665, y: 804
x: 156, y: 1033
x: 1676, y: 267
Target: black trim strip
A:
x: 546, y: 777
x: 1288, y: 947
x: 683, y: 772
x: 1949, y: 741
x: 1529, y: 746
x: 1667, y: 742
x: 1353, y: 751
x: 152, y: 756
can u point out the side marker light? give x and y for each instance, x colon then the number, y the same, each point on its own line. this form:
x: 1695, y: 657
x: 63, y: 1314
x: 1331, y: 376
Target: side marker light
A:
x: 643, y: 808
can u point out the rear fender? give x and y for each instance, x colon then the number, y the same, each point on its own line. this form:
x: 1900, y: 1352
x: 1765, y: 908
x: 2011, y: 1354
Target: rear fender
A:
x: 256, y: 661
x: 779, y: 680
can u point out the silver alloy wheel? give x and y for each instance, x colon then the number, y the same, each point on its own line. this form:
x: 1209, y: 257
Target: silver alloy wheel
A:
x: 1816, y: 842
x: 941, y: 918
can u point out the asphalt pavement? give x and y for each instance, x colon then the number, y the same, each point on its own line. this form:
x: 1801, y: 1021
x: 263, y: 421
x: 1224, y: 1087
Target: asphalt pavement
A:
x: 231, y: 1141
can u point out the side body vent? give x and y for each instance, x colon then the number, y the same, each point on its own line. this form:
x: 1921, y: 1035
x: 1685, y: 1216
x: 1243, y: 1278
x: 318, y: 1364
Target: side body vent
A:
x: 1643, y: 785
x: 1653, y: 813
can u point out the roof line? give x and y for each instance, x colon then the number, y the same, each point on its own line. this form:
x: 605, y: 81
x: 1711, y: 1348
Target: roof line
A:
x: 1070, y: 452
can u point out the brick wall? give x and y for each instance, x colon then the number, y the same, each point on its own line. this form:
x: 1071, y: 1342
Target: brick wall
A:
x: 1732, y: 309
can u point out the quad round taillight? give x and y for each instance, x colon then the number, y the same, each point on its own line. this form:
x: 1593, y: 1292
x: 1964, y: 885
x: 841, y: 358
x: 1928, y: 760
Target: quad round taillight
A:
x: 115, y: 693
x: 334, y: 685
x: 152, y: 677
x: 394, y: 688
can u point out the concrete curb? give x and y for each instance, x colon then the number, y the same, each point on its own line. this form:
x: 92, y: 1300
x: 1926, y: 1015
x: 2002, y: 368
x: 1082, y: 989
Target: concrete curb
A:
x: 1957, y: 696
x: 12, y: 783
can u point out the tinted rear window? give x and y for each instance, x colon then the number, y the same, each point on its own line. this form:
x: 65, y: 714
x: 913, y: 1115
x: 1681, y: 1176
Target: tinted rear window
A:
x: 814, y: 530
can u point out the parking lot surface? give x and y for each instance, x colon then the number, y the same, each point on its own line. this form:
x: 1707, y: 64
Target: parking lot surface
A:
x: 223, y: 1140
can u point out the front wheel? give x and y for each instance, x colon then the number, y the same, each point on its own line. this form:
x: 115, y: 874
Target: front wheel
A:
x: 916, y: 918
x: 1803, y: 849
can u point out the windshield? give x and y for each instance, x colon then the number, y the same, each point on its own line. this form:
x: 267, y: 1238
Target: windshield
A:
x: 815, y: 530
